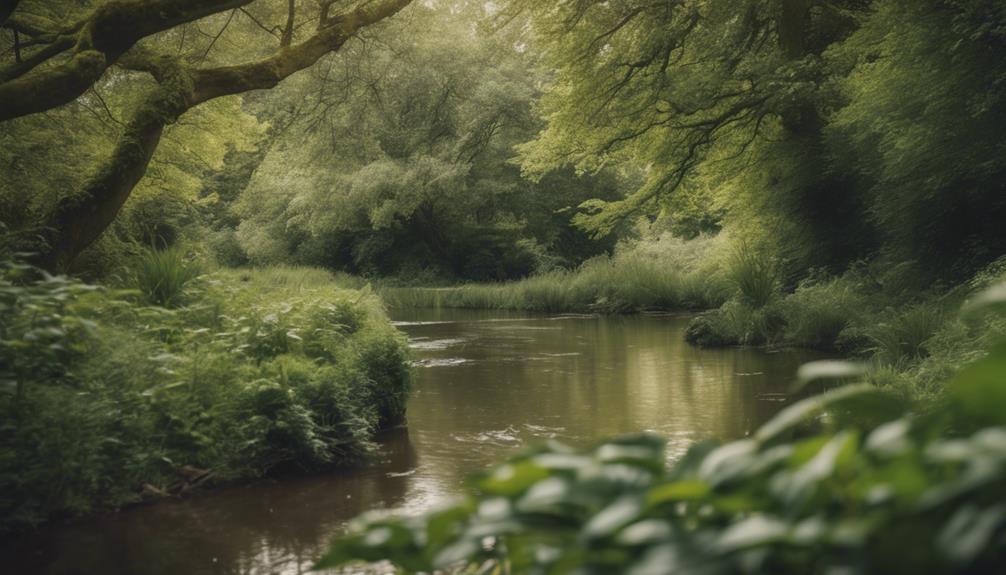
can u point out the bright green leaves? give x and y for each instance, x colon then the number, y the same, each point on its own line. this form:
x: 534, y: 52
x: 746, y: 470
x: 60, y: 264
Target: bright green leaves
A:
x: 513, y: 478
x: 980, y: 389
x: 804, y: 410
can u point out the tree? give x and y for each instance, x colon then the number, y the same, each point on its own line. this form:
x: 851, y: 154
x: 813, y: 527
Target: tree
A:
x: 406, y: 165
x: 60, y: 59
x: 676, y: 85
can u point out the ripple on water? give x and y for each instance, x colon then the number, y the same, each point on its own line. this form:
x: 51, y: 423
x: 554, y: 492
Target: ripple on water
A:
x: 507, y: 436
x: 550, y: 432
x: 434, y: 344
x: 440, y: 362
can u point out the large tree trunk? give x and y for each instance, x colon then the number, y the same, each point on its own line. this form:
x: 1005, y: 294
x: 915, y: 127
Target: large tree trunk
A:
x: 80, y: 219
x: 793, y: 27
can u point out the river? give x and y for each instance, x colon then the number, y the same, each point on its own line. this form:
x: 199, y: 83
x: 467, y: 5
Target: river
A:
x: 485, y: 384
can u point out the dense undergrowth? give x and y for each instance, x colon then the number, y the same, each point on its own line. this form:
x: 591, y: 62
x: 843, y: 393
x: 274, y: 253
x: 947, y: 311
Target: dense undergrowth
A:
x: 108, y: 396
x: 847, y: 481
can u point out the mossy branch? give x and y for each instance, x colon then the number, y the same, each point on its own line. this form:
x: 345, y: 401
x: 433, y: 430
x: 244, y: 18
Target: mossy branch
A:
x: 104, y: 36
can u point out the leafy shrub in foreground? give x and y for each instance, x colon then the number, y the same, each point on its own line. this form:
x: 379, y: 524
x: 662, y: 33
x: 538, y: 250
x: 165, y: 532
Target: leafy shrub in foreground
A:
x: 842, y: 482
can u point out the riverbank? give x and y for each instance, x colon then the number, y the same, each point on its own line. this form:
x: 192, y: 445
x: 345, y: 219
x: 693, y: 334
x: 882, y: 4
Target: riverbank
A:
x: 913, y: 338
x: 626, y: 283
x: 110, y: 400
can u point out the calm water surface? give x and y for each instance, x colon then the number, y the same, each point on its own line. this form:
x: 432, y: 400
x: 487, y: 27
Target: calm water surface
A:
x: 486, y: 383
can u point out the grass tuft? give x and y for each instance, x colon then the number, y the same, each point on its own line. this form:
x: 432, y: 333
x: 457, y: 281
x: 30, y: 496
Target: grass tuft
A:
x: 161, y: 275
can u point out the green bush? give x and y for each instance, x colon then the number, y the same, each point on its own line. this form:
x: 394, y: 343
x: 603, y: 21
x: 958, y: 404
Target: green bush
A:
x: 817, y: 313
x: 737, y: 323
x: 901, y: 335
x: 253, y: 372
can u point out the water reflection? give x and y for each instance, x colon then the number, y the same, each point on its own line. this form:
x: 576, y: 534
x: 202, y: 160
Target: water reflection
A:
x: 486, y: 383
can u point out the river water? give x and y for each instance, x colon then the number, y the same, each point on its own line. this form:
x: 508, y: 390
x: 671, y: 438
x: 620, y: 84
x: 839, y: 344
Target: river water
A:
x: 486, y: 383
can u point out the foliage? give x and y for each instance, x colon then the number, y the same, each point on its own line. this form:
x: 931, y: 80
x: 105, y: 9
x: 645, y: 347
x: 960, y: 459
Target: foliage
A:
x: 923, y: 110
x: 638, y: 278
x: 162, y: 274
x: 820, y: 310
x: 902, y: 335
x: 844, y: 480
x: 406, y: 169
x: 822, y: 132
x: 754, y: 276
x: 251, y: 373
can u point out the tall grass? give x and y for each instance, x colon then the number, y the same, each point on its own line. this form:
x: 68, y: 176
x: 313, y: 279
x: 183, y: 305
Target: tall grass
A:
x: 161, y: 276
x: 300, y: 277
x: 623, y: 284
x: 901, y: 335
x: 754, y: 276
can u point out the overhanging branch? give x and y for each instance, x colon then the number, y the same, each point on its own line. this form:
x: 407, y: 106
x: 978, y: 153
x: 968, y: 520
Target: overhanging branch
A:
x: 109, y: 31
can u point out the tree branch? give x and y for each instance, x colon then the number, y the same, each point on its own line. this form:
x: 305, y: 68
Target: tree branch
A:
x: 111, y: 30
x: 267, y: 73
x: 287, y: 38
x: 25, y: 65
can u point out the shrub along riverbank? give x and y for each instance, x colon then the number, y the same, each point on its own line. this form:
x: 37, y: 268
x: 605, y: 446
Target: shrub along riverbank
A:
x: 914, y: 338
x: 107, y: 397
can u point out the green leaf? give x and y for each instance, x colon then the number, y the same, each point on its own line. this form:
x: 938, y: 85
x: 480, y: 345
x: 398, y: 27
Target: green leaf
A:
x: 828, y: 369
x: 677, y: 491
x: 980, y: 390
x: 512, y: 478
x: 970, y: 531
x: 811, y: 407
x: 991, y: 299
x: 613, y: 517
x: 753, y: 531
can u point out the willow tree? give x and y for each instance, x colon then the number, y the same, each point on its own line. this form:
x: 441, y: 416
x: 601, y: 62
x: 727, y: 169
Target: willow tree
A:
x: 61, y: 50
